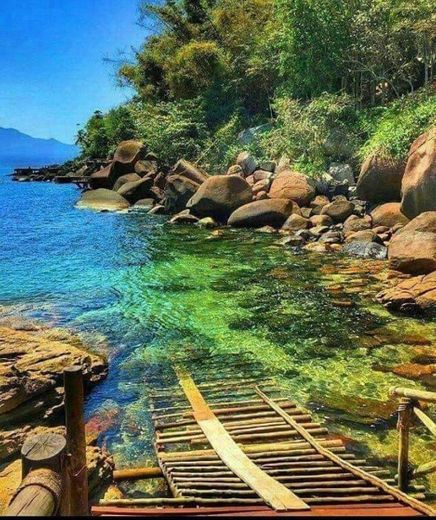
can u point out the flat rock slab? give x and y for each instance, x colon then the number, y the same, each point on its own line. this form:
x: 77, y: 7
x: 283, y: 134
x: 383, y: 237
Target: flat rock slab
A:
x: 32, y: 362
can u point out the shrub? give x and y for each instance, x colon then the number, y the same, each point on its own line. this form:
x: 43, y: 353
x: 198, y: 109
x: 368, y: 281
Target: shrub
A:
x: 393, y: 128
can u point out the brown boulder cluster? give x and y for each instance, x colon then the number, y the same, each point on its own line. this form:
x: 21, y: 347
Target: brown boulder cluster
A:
x: 387, y: 213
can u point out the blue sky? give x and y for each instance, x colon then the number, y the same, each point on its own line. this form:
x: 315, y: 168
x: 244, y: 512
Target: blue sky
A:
x: 52, y: 73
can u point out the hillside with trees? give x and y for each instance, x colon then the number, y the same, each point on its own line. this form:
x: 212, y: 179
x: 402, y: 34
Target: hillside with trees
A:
x: 316, y: 80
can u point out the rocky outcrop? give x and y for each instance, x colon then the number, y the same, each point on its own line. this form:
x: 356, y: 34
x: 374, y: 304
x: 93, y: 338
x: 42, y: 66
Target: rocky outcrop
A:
x: 31, y: 369
x: 380, y: 180
x: 293, y: 186
x: 219, y: 196
x: 268, y: 212
x: 389, y: 215
x: 411, y: 295
x: 419, y: 181
x: 102, y: 200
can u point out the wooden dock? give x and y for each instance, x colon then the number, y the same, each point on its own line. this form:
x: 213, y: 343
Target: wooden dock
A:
x: 236, y: 447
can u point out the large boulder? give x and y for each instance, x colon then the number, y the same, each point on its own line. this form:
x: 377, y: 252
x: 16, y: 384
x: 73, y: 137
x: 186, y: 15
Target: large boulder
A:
x: 339, y: 210
x: 219, y: 196
x: 129, y: 177
x: 190, y: 171
x: 102, y: 200
x: 413, y: 252
x: 293, y: 186
x: 419, y: 181
x: 425, y: 222
x: 380, y: 180
x: 136, y: 190
x: 101, y: 178
x: 268, y: 212
x: 127, y: 154
x: 178, y: 190
x: 388, y: 215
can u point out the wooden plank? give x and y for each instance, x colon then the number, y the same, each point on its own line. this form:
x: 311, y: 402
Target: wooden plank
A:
x: 373, y: 510
x: 272, y: 492
x: 371, y: 479
x: 426, y: 421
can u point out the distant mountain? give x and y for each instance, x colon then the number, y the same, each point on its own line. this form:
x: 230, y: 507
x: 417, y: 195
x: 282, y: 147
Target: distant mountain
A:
x: 21, y: 150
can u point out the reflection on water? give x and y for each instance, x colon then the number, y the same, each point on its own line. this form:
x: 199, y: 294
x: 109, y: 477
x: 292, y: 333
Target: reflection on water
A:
x: 149, y: 293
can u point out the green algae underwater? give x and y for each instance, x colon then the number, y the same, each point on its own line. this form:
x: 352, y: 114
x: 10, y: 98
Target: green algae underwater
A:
x: 149, y: 294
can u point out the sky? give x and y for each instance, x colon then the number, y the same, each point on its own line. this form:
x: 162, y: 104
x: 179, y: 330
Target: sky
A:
x: 52, y: 70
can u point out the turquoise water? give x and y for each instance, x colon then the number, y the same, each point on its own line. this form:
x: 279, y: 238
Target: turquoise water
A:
x: 146, y: 293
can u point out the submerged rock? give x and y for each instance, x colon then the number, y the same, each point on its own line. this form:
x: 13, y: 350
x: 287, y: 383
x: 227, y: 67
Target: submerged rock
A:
x: 102, y: 200
x: 366, y: 249
x: 411, y: 295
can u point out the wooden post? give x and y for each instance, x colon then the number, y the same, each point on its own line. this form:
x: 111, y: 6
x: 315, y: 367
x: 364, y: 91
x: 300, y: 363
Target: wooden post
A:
x: 404, y: 418
x: 43, y: 451
x: 43, y: 463
x: 38, y: 495
x: 77, y: 473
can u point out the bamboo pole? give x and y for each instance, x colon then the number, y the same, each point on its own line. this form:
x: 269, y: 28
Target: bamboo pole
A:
x: 77, y: 472
x: 395, y: 493
x: 404, y: 418
x: 413, y: 393
x: 137, y: 473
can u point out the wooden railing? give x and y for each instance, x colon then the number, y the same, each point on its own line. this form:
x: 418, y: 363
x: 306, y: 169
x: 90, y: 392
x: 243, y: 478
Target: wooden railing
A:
x: 408, y: 409
x: 55, y: 476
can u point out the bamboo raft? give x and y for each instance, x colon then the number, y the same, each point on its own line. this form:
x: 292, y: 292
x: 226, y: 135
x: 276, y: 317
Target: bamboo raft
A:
x: 237, y: 447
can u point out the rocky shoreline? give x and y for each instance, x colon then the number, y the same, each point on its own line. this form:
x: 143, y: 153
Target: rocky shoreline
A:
x: 32, y: 359
x: 388, y: 212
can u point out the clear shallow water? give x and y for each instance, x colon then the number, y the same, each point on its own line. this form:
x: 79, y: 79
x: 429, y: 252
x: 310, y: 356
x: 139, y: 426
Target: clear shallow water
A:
x: 147, y: 293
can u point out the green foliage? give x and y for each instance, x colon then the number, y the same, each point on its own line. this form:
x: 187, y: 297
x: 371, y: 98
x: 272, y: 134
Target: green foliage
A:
x: 171, y: 130
x: 102, y: 133
x: 324, y: 74
x: 304, y: 131
x: 393, y: 128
